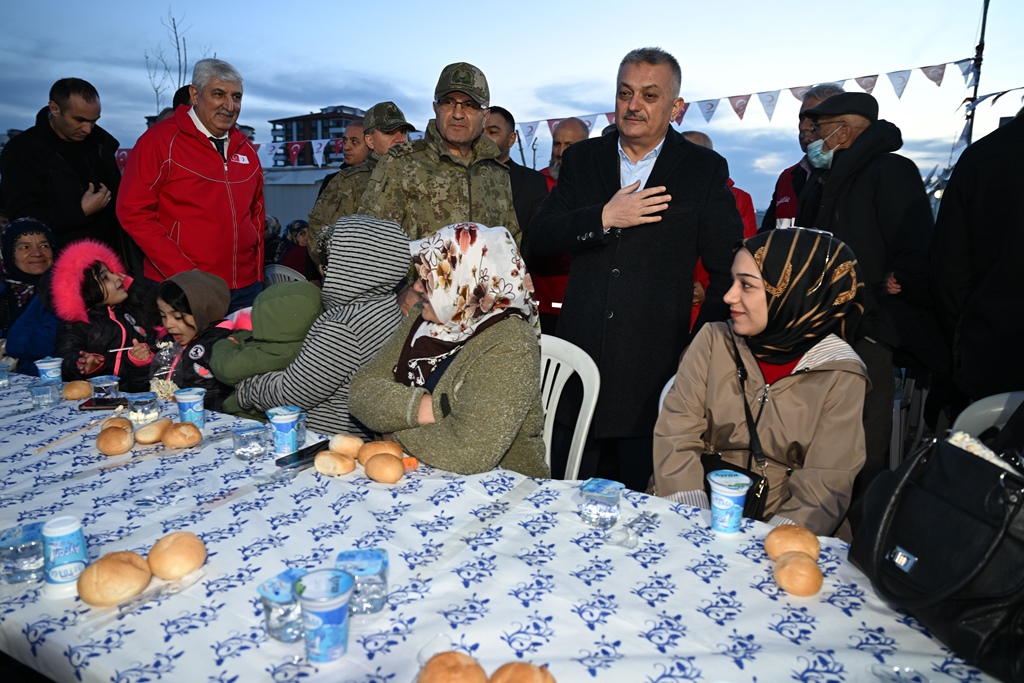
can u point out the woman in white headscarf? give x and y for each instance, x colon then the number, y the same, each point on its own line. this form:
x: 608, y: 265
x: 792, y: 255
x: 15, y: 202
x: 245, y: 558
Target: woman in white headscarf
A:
x: 458, y: 384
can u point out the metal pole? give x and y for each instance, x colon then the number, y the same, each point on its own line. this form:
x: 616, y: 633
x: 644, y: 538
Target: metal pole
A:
x: 978, y: 52
x: 522, y: 155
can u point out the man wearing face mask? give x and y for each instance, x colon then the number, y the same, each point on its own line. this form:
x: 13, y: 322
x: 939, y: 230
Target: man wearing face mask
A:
x: 874, y: 201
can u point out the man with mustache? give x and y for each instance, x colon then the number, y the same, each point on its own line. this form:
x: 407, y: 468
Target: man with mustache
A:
x: 192, y: 192
x: 636, y: 208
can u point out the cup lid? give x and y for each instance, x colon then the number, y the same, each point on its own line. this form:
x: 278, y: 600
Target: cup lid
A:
x: 323, y: 585
x: 58, y: 526
x: 729, y: 479
x: 104, y: 379
x: 364, y: 562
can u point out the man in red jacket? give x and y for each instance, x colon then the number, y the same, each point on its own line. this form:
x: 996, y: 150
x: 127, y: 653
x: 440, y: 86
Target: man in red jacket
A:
x: 192, y: 191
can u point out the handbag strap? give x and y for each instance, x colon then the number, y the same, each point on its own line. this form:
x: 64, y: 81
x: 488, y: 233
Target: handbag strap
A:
x: 755, y: 440
x: 917, y: 462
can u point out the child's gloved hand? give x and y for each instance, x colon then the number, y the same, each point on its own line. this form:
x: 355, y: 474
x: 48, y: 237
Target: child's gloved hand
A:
x: 140, y: 350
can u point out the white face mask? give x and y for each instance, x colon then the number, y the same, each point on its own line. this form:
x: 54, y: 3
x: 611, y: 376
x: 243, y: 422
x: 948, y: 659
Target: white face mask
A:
x: 818, y: 155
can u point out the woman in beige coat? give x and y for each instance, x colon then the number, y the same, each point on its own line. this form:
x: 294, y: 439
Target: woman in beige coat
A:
x: 795, y: 293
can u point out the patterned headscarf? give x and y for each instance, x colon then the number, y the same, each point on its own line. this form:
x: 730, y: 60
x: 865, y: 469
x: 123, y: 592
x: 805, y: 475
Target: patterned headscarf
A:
x: 814, y: 288
x: 474, y: 277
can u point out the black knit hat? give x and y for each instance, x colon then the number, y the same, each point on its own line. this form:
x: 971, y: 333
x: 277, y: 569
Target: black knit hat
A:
x: 859, y: 103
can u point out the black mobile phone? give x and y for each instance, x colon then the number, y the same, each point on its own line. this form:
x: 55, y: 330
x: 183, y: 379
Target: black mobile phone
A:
x: 103, y: 403
x: 303, y: 457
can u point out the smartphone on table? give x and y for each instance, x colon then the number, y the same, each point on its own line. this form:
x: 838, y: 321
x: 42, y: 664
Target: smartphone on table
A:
x: 103, y: 403
x: 302, y: 458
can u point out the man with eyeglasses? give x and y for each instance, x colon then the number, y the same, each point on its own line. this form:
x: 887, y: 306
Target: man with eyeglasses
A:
x: 874, y: 200
x: 383, y: 127
x: 450, y: 175
x: 782, y: 208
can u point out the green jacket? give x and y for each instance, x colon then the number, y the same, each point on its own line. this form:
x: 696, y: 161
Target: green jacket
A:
x: 339, y: 198
x: 492, y: 387
x: 281, y: 316
x: 423, y: 187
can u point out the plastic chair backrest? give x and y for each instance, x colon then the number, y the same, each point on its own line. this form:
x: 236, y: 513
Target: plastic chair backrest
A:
x: 991, y: 411
x: 275, y: 273
x: 558, y: 361
x: 664, y: 392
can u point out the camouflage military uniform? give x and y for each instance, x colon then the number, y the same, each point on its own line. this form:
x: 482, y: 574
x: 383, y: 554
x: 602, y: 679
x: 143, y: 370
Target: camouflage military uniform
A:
x: 339, y: 198
x: 423, y: 187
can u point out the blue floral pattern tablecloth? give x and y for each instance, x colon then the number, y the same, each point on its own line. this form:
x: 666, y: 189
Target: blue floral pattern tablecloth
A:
x: 496, y: 565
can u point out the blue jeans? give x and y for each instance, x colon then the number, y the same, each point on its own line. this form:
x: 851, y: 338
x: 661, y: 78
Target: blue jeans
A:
x: 244, y: 297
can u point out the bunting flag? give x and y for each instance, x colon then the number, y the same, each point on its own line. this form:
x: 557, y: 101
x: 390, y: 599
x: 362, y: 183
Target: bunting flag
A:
x: 527, y: 131
x: 962, y: 141
x: 552, y: 123
x: 122, y: 157
x: 339, y: 147
x: 611, y: 118
x: 867, y: 83
x: 966, y: 69
x: 414, y: 135
x: 768, y: 100
x: 682, y: 113
x: 318, y: 150
x: 266, y: 151
x: 934, y: 73
x: 899, y: 81
x: 590, y: 120
x: 799, y: 92
x: 981, y: 98
x: 841, y: 83
x: 739, y: 104
x: 293, y: 151
x: 708, y: 108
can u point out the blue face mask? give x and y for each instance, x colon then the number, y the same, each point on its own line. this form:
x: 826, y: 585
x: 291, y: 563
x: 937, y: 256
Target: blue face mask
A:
x: 818, y: 155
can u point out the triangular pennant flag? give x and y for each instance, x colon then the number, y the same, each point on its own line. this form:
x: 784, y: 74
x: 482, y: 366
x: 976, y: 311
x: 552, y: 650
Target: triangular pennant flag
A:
x: 611, y: 118
x: 974, y: 76
x: 265, y: 153
x: 799, y: 92
x: 707, y: 108
x: 971, y: 105
x: 552, y: 123
x: 768, y: 101
x: 122, y: 158
x: 899, y: 81
x: 682, y: 112
x: 527, y: 131
x: 867, y: 82
x: 293, y: 151
x: 934, y: 73
x: 962, y: 141
x: 590, y: 120
x: 339, y: 147
x: 318, y: 151
x: 739, y: 104
x: 965, y: 68
x: 840, y: 83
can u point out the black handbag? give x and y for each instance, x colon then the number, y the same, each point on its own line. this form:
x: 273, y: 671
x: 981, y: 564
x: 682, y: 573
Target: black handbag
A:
x: 757, y: 494
x: 943, y: 539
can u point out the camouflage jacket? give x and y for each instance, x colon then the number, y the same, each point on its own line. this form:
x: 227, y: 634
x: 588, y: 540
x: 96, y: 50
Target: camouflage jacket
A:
x: 339, y: 198
x: 423, y: 187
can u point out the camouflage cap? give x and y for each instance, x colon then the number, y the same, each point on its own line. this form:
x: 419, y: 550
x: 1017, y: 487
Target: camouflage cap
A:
x: 385, y: 117
x: 464, y: 77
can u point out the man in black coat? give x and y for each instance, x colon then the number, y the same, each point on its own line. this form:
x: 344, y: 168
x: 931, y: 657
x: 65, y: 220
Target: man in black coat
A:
x: 975, y: 262
x: 636, y: 209
x: 63, y: 172
x: 529, y: 188
x: 875, y: 202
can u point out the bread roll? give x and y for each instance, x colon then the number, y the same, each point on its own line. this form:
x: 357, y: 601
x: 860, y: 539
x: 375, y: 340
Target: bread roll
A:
x: 181, y: 435
x: 117, y: 421
x: 522, y: 672
x: 329, y: 462
x: 783, y: 539
x: 176, y: 555
x: 114, y: 441
x: 113, y: 578
x: 385, y: 468
x: 798, y: 574
x: 452, y: 667
x: 152, y: 432
x: 346, y: 444
x: 79, y: 389
x: 371, y: 449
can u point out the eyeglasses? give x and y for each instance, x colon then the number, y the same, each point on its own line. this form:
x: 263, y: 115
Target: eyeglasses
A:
x: 816, y: 126
x: 450, y: 103
x: 828, y: 251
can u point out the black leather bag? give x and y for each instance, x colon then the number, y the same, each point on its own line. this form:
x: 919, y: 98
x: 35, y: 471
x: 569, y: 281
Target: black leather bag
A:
x: 757, y: 494
x: 943, y: 539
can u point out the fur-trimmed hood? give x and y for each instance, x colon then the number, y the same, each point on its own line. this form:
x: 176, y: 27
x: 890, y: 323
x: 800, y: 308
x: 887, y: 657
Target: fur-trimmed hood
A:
x: 69, y: 274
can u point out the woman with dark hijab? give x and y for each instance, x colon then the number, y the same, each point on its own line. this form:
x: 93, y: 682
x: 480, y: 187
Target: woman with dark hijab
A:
x: 26, y: 315
x: 796, y: 295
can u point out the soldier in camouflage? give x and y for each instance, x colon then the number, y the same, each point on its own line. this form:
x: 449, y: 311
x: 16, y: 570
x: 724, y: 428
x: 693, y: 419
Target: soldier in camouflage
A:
x: 453, y: 173
x: 384, y: 126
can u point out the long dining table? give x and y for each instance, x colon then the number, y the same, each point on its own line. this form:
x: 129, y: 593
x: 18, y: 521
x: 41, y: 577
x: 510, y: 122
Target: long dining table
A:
x: 496, y: 565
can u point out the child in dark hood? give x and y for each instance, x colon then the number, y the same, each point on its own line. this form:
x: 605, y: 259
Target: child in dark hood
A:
x: 100, y: 309
x: 192, y: 306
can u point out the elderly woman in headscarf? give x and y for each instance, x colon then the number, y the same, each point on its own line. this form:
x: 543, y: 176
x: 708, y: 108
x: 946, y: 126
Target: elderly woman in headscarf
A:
x: 26, y: 316
x: 458, y: 384
x: 796, y: 296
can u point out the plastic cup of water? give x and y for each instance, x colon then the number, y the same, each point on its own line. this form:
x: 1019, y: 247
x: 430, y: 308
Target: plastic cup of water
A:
x: 728, y: 493
x: 369, y: 569
x: 45, y: 393
x: 5, y: 375
x: 281, y: 613
x: 323, y: 595
x: 600, y: 506
x: 105, y: 386
x: 21, y: 553
x: 190, y: 406
x: 252, y: 443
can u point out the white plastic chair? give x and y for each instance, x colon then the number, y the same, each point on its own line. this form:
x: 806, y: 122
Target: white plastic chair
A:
x: 664, y: 392
x: 558, y: 361
x: 991, y: 411
x: 275, y: 272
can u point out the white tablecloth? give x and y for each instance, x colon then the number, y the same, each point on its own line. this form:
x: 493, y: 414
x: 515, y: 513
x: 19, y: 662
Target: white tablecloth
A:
x: 497, y: 565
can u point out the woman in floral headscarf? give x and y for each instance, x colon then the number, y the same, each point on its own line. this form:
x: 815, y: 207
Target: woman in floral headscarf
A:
x: 458, y: 384
x: 796, y: 295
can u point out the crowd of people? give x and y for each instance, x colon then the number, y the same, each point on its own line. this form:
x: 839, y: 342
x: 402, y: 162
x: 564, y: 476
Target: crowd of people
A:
x: 433, y: 266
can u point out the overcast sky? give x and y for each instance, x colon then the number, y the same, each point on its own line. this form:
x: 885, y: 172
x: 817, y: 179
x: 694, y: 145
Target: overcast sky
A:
x: 542, y: 59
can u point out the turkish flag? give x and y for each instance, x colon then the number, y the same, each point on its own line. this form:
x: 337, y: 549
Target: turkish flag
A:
x: 122, y: 157
x: 293, y: 150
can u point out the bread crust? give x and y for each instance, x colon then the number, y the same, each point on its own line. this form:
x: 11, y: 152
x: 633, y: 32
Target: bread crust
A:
x: 176, y: 554
x: 113, y: 578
